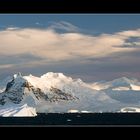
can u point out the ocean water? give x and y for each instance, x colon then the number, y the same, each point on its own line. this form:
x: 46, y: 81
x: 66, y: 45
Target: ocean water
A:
x: 74, y: 119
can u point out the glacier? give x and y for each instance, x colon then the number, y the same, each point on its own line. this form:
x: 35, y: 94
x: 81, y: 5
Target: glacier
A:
x: 57, y: 93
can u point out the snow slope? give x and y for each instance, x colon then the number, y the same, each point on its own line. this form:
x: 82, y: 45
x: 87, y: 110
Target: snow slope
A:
x: 12, y: 110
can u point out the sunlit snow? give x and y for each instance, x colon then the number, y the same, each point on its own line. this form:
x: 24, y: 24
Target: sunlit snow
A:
x: 122, y: 94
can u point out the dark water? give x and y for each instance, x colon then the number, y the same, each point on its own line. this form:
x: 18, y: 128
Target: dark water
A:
x: 53, y: 119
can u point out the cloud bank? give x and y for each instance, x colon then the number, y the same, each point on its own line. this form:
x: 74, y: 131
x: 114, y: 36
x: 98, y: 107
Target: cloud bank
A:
x: 48, y: 44
x: 40, y: 47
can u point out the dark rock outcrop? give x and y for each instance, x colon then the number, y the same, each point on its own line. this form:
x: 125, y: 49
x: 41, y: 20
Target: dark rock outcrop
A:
x: 60, y: 95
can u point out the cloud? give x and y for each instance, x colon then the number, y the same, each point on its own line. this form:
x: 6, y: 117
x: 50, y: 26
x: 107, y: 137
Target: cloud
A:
x: 132, y: 33
x: 49, y: 46
x: 21, y: 59
x: 63, y: 25
x: 12, y: 28
x: 38, y: 23
x: 6, y: 66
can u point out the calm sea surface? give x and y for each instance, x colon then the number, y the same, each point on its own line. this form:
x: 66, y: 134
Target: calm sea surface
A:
x: 66, y: 119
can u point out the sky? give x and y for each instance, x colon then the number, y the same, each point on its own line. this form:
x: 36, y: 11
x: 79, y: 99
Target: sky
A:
x: 92, y: 47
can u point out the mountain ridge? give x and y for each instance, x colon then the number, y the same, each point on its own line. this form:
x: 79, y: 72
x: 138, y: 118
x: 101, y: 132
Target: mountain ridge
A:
x: 20, y: 87
x: 56, y: 92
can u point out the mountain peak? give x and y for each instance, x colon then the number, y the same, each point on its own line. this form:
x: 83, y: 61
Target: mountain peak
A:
x: 53, y: 75
x: 17, y: 75
x: 44, y: 88
x: 124, y: 81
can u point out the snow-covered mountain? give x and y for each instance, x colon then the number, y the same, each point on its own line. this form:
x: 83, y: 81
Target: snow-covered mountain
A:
x: 122, y: 83
x: 126, y: 90
x: 19, y: 90
x: 55, y: 92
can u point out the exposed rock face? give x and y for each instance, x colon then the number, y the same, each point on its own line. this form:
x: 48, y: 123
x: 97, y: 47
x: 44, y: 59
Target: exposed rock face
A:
x: 60, y: 95
x: 39, y: 94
